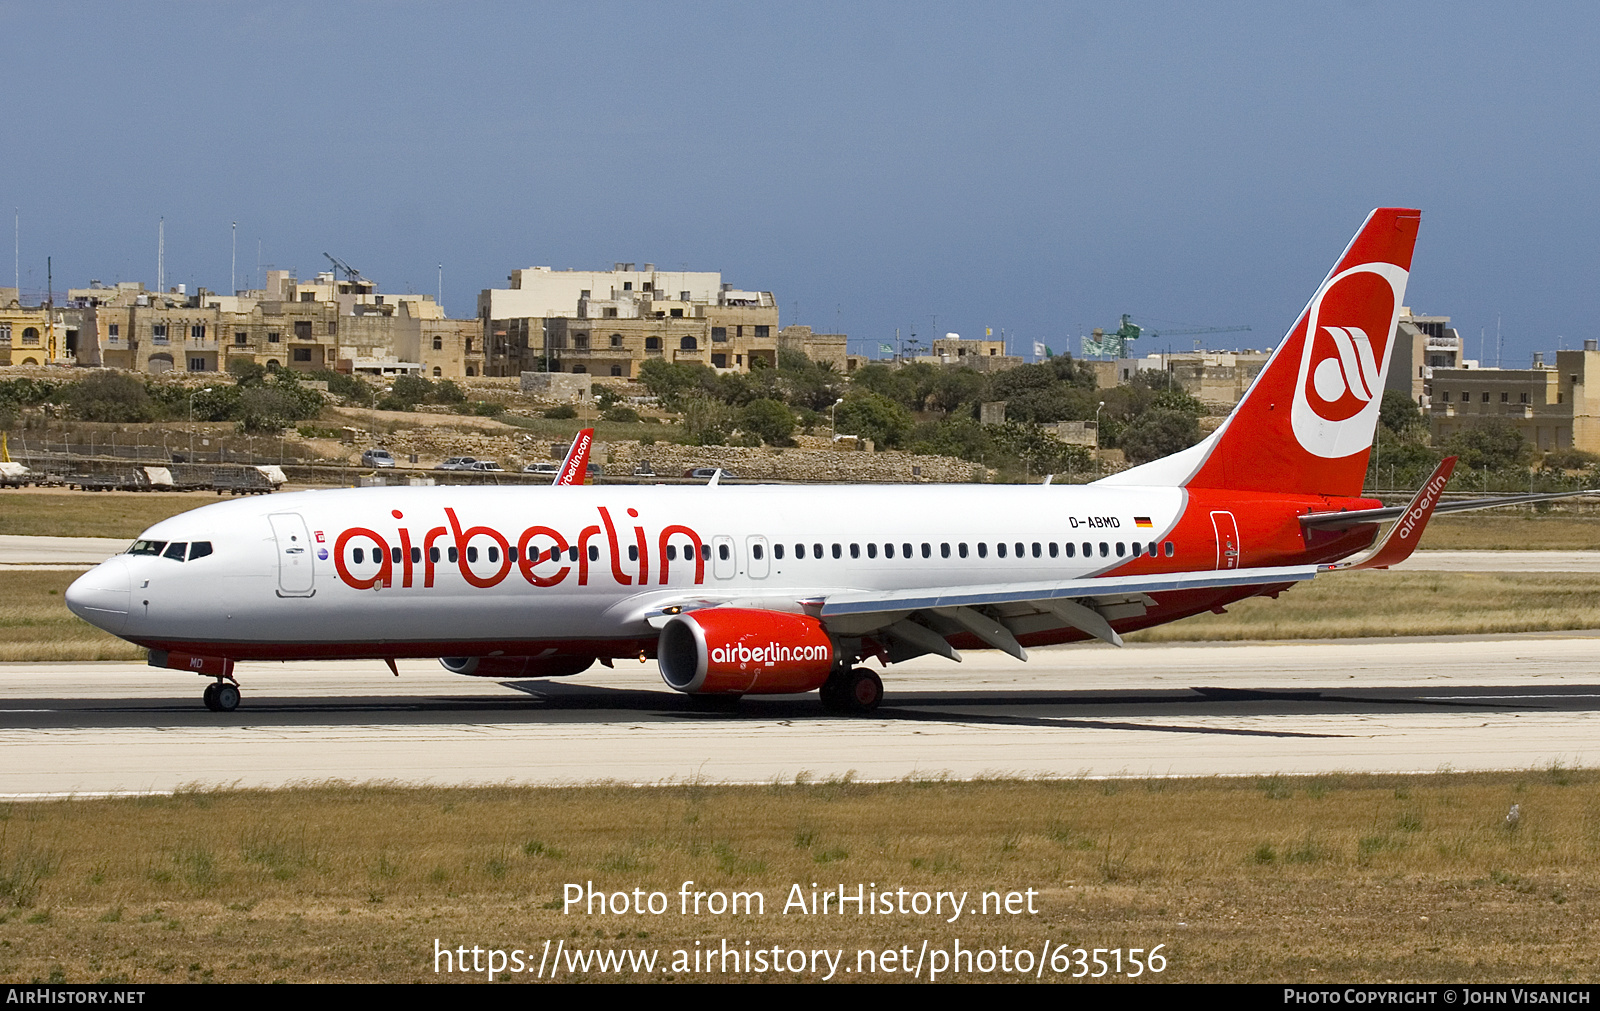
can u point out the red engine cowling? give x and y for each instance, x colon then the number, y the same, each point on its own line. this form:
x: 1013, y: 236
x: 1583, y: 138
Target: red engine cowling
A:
x: 737, y: 651
x: 517, y: 666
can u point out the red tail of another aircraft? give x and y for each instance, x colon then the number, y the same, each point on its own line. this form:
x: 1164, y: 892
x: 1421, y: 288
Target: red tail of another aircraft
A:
x: 1306, y: 424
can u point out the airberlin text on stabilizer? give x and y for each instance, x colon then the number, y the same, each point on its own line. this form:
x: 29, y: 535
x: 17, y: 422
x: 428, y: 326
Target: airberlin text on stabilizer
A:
x: 858, y: 899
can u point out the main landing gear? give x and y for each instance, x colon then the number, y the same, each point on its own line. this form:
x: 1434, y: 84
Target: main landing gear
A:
x: 852, y: 690
x: 221, y: 697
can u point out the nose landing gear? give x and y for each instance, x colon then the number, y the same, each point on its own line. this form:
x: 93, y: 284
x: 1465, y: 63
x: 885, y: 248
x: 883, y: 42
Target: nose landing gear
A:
x: 221, y: 697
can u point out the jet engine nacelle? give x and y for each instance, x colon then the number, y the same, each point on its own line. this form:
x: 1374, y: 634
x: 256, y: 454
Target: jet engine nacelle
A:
x: 517, y: 666
x: 738, y: 651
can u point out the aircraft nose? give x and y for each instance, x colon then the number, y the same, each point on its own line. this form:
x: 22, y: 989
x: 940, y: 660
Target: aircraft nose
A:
x: 100, y: 596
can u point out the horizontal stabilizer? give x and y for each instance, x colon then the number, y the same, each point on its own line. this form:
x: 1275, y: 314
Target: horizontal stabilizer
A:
x: 1403, y: 537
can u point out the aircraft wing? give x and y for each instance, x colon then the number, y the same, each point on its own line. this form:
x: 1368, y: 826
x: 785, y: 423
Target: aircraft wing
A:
x: 853, y: 602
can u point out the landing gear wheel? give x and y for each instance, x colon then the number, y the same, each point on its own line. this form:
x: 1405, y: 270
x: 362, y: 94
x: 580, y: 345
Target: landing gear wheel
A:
x: 227, y: 697
x: 853, y: 691
x: 210, y: 697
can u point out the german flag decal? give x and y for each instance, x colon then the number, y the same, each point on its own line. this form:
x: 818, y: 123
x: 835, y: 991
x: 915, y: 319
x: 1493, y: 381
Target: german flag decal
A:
x: 1143, y: 522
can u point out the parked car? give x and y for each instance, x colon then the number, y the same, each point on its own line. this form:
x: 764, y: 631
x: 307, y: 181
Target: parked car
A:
x: 542, y: 468
x: 485, y: 465
x: 377, y: 458
x: 705, y: 473
x: 643, y: 469
x: 457, y: 463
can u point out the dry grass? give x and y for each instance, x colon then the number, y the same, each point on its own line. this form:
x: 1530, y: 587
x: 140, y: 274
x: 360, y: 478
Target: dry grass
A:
x: 35, y: 624
x: 1515, y: 530
x: 1374, y: 603
x: 1340, y: 878
x: 91, y: 514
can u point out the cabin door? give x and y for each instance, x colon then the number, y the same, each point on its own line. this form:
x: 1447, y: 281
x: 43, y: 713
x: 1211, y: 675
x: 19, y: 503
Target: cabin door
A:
x: 295, y: 565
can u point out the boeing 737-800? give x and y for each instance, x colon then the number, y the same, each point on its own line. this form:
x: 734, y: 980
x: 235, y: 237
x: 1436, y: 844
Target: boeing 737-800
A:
x: 768, y: 589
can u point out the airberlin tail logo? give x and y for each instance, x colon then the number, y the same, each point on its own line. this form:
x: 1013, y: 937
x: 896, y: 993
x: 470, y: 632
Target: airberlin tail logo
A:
x: 1345, y: 358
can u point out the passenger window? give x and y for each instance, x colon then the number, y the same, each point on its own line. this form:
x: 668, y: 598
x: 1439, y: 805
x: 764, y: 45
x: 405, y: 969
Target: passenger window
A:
x: 1152, y: 549
x: 175, y: 550
x: 816, y: 551
x: 999, y: 549
x: 416, y: 556
x: 1105, y: 549
x: 836, y: 551
x: 1019, y: 549
x: 888, y: 551
x: 511, y: 553
x: 777, y: 552
x: 905, y: 550
x: 672, y: 553
x: 594, y: 553
x: 453, y: 556
x: 199, y: 549
x: 494, y: 553
x: 1168, y: 547
x: 722, y: 552
x: 1072, y: 549
x: 1036, y: 549
x: 433, y: 555
x: 472, y: 553
x: 855, y: 551
x: 1088, y: 550
x: 944, y: 550
x: 983, y: 549
x: 1119, y: 549
x: 872, y: 551
x: 799, y: 550
x: 961, y: 549
x: 396, y: 556
x: 633, y: 553
x: 1135, y: 547
x: 755, y: 550
x: 705, y: 552
x: 1054, y: 549
x: 927, y: 549
x: 358, y: 555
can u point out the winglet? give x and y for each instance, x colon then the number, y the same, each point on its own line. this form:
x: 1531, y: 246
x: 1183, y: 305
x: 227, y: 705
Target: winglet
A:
x: 1406, y: 534
x: 576, y: 465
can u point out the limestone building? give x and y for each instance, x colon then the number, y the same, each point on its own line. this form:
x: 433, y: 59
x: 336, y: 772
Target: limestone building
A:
x: 325, y: 323
x: 1554, y: 406
x: 609, y: 322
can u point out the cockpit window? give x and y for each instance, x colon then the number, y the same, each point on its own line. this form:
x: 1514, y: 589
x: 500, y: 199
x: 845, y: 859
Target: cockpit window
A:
x: 147, y: 547
x: 175, y: 550
x: 199, y: 549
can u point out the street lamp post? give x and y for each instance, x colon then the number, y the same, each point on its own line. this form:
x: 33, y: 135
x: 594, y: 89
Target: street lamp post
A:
x: 191, y: 420
x: 833, y: 427
x: 1097, y: 411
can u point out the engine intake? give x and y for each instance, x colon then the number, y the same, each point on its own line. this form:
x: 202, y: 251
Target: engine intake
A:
x: 741, y: 651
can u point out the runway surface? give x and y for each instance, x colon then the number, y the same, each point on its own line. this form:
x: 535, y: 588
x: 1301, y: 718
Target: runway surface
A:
x: 18, y: 552
x: 1406, y: 705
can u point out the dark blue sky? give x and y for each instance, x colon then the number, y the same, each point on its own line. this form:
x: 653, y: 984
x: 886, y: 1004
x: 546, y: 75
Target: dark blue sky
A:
x: 1041, y: 168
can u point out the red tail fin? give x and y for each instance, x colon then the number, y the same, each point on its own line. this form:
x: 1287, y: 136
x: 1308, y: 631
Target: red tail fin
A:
x: 576, y: 466
x: 1307, y: 422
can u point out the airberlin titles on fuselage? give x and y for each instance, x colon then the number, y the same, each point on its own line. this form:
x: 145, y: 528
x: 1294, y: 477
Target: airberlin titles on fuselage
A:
x: 545, y: 556
x: 542, y: 555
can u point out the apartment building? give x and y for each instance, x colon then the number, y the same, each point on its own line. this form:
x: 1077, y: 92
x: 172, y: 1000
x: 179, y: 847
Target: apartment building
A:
x: 1554, y: 405
x: 609, y: 322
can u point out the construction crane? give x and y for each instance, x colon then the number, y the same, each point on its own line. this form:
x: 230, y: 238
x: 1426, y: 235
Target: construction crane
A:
x: 351, y: 274
x: 1116, y: 344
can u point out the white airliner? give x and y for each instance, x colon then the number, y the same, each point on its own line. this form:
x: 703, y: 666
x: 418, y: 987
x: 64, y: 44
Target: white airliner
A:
x: 767, y: 589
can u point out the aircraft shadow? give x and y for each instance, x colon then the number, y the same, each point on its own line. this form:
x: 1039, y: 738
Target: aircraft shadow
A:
x: 556, y: 703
